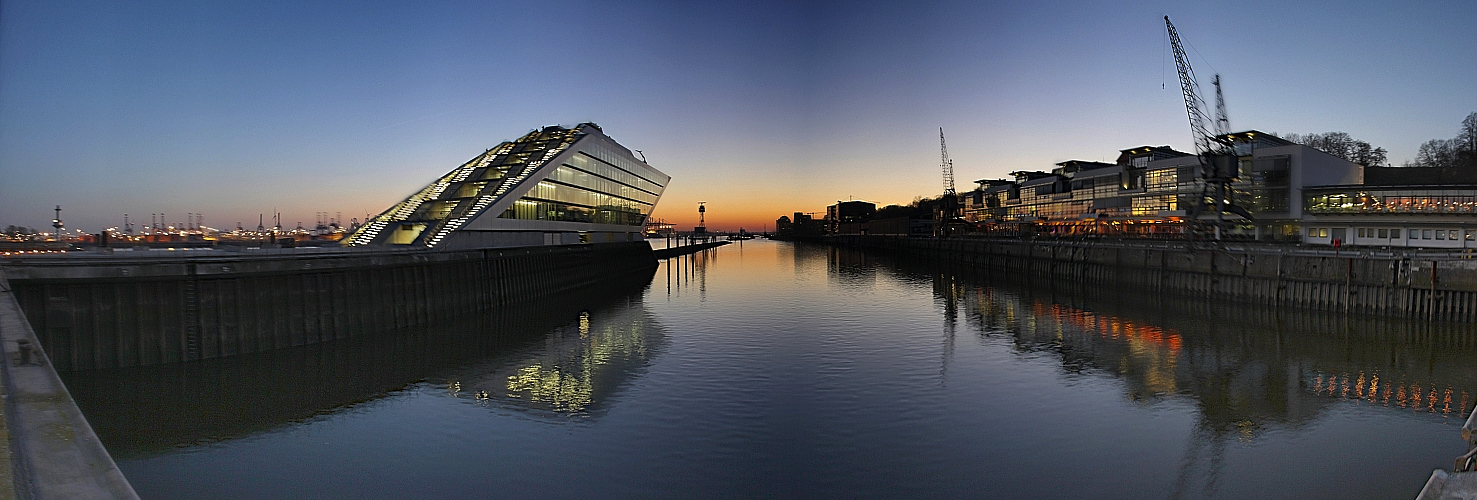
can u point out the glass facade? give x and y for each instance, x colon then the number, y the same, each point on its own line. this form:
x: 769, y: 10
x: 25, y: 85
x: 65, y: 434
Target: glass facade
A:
x: 597, y: 183
x: 589, y: 189
x: 1391, y: 200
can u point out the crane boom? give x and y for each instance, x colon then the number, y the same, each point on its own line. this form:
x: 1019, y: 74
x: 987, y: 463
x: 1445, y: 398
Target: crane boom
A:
x: 946, y: 164
x: 1218, y: 163
x: 1194, y: 105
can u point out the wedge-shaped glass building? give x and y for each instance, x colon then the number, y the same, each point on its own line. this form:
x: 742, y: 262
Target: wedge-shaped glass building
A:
x: 554, y: 186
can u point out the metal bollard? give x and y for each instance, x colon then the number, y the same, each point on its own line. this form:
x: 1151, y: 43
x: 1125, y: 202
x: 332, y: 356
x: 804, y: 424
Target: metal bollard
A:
x: 25, y: 349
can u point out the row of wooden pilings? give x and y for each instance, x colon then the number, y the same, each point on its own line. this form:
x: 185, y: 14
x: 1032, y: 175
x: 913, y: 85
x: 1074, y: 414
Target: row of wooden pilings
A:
x: 110, y: 312
x: 1437, y: 288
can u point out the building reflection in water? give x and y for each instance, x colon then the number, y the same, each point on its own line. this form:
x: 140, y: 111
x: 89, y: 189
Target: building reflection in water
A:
x: 574, y: 369
x: 1245, y: 368
x: 145, y: 411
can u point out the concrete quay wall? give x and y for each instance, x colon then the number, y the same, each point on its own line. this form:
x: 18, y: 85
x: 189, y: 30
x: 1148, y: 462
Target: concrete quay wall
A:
x: 1423, y: 286
x: 50, y: 450
x: 111, y: 311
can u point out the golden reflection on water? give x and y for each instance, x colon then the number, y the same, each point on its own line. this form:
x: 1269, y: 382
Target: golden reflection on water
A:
x: 1244, y: 368
x: 1153, y: 352
x: 1430, y: 396
x: 574, y: 367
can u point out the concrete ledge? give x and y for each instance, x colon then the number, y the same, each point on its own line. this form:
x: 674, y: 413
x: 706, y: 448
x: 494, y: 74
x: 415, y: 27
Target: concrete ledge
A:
x: 55, y: 453
x: 1447, y: 486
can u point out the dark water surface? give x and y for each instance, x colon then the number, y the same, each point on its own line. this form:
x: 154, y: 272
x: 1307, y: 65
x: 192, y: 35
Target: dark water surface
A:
x: 770, y: 369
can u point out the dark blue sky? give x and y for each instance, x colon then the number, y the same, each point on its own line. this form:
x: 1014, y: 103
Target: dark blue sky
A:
x: 760, y: 109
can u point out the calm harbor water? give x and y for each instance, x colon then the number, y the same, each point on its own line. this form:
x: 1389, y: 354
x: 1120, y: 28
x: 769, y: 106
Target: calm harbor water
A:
x: 774, y: 369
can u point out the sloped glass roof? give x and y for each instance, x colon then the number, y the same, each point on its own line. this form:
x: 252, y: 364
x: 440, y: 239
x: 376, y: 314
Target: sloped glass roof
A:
x: 428, y: 216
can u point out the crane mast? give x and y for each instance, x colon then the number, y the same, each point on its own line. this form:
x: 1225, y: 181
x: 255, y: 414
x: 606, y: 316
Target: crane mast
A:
x: 1222, y: 124
x: 946, y: 164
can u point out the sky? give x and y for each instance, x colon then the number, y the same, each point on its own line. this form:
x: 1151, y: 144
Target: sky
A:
x: 760, y: 109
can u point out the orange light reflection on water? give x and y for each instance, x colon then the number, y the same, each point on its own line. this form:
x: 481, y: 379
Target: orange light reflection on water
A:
x: 1368, y: 388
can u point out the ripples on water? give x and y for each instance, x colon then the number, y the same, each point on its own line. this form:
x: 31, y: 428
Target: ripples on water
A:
x: 771, y: 369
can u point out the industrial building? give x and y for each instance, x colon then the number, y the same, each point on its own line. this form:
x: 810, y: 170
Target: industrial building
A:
x: 848, y: 212
x: 553, y: 186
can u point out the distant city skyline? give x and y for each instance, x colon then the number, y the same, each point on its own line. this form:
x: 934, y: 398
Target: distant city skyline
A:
x: 758, y: 109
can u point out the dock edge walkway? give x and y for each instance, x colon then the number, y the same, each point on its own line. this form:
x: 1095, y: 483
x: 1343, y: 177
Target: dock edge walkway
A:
x: 53, y: 452
x: 669, y: 252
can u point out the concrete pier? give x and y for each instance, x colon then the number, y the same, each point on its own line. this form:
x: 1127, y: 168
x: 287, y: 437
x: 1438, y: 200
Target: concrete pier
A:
x: 1461, y: 483
x: 669, y: 252
x: 52, y: 452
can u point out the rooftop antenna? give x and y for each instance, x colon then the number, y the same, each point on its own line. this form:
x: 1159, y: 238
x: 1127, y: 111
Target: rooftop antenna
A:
x: 643, y: 156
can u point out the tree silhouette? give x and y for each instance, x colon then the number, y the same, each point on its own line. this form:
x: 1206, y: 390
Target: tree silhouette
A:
x: 1458, y: 152
x: 1342, y: 145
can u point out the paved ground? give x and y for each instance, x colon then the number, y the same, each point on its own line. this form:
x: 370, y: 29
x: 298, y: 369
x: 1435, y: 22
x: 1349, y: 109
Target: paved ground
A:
x: 63, y: 458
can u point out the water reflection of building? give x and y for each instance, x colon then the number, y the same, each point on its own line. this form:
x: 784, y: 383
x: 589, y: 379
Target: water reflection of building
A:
x: 578, y: 365
x: 1244, y: 367
x: 143, y: 411
x: 1244, y: 370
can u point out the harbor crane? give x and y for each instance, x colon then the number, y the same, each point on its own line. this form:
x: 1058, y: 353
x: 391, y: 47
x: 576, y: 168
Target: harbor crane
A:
x: 1222, y: 124
x: 949, y: 203
x: 1218, y: 163
x: 946, y: 164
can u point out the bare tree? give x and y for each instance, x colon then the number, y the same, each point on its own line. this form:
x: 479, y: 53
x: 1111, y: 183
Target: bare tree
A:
x: 1469, y: 131
x: 1458, y: 152
x: 1342, y: 145
x: 1440, y: 153
x: 1367, y: 155
x: 1467, y: 157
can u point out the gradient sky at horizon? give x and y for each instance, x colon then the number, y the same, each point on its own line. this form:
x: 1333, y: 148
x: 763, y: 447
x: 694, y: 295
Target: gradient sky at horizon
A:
x: 760, y: 109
